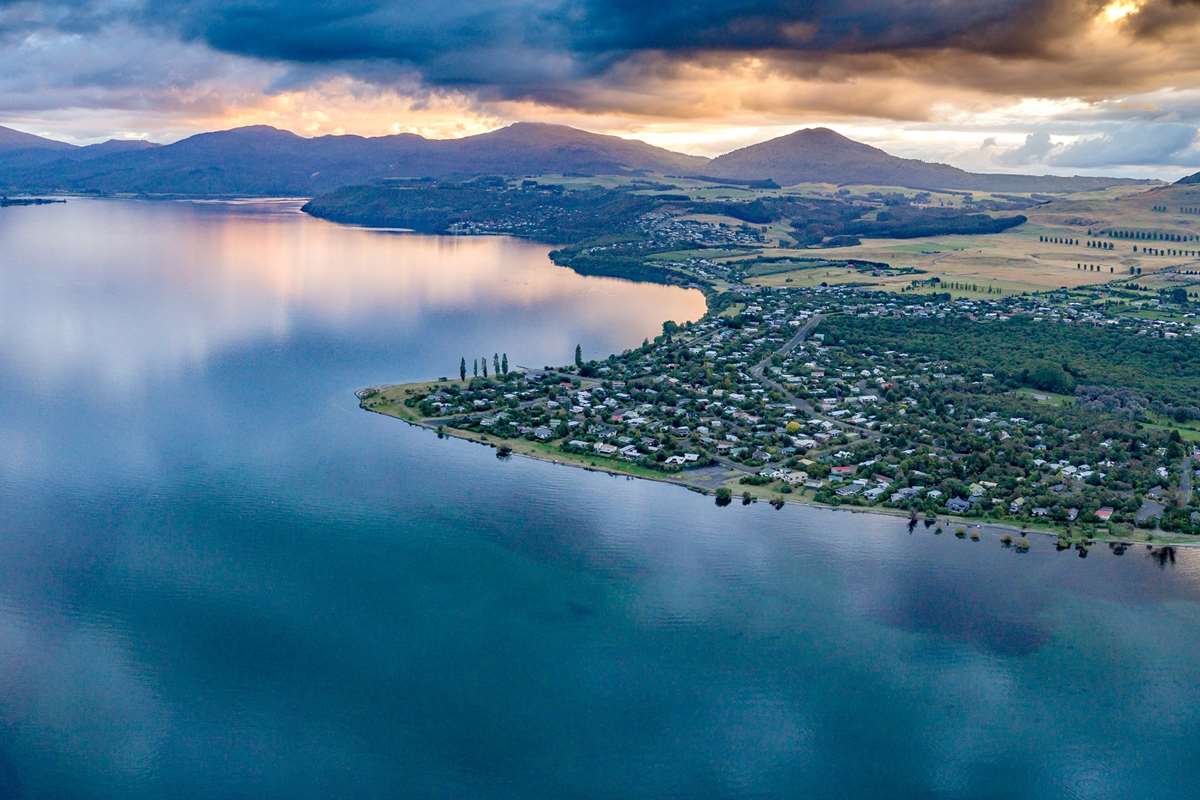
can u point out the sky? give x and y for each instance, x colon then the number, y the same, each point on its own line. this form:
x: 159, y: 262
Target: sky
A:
x: 1062, y: 86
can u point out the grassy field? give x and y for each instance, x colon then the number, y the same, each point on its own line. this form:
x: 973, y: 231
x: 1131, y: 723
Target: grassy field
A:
x: 714, y: 254
x: 1017, y: 260
x: 1014, y: 261
x: 833, y: 276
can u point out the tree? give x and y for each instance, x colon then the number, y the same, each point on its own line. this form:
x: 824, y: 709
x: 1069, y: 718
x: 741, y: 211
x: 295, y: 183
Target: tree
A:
x: 504, y: 364
x: 1051, y: 378
x: 578, y: 356
x: 1179, y: 296
x: 496, y: 363
x: 476, y: 367
x: 462, y: 369
x: 484, y: 360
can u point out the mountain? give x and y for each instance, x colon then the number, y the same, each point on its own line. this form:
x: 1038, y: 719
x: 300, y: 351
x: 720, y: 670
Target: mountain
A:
x: 528, y: 147
x: 1189, y: 180
x: 261, y: 160
x: 11, y: 140
x: 21, y: 153
x: 819, y: 155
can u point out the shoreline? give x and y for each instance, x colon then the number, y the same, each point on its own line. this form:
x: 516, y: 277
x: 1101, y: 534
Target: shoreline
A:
x: 948, y: 522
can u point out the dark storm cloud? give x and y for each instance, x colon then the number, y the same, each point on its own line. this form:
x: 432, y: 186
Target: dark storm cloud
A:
x: 527, y: 48
x: 1162, y: 17
x: 554, y: 51
x: 741, y: 62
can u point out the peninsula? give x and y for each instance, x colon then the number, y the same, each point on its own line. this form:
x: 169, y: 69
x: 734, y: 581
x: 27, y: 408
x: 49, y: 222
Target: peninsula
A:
x: 924, y: 406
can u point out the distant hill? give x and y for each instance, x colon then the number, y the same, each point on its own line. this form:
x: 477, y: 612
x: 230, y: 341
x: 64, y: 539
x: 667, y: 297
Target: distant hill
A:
x: 528, y: 147
x: 11, y: 140
x: 819, y: 155
x: 21, y: 153
x: 110, y: 147
x: 262, y: 161
x: 1189, y: 180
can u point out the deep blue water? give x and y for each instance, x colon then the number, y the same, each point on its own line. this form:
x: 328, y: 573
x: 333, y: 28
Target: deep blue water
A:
x: 219, y: 578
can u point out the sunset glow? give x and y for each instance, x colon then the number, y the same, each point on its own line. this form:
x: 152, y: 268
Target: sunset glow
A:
x: 1119, y: 9
x: 954, y: 82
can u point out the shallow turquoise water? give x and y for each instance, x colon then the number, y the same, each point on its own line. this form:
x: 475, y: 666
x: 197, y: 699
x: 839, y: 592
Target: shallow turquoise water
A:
x: 218, y: 578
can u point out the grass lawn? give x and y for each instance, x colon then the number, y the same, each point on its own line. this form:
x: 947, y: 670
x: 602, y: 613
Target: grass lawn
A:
x: 1050, y: 398
x: 1189, y: 431
x: 390, y: 399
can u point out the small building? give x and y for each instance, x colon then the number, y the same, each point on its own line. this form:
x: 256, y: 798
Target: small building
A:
x: 958, y: 505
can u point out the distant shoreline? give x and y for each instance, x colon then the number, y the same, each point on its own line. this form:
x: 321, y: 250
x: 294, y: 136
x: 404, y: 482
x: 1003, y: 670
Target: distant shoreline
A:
x: 947, y: 523
x: 29, y: 201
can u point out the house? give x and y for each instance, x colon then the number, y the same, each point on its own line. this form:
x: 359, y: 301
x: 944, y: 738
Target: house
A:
x: 875, y: 493
x: 906, y: 493
x: 958, y: 505
x: 1103, y: 514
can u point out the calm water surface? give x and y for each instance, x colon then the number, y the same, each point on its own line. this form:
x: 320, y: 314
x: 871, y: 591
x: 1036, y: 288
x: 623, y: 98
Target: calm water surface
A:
x: 218, y: 578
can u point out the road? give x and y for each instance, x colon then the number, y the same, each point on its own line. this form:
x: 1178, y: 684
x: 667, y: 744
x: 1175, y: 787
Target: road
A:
x: 759, y: 371
x: 1185, y: 483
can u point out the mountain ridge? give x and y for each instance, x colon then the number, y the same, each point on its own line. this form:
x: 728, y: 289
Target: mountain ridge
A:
x: 263, y: 160
x: 821, y: 155
x: 12, y: 139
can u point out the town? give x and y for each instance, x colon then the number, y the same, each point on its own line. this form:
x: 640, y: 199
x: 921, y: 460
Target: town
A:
x: 846, y: 397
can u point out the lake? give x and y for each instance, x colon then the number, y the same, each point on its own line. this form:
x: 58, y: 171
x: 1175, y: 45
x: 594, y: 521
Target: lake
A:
x: 220, y: 578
